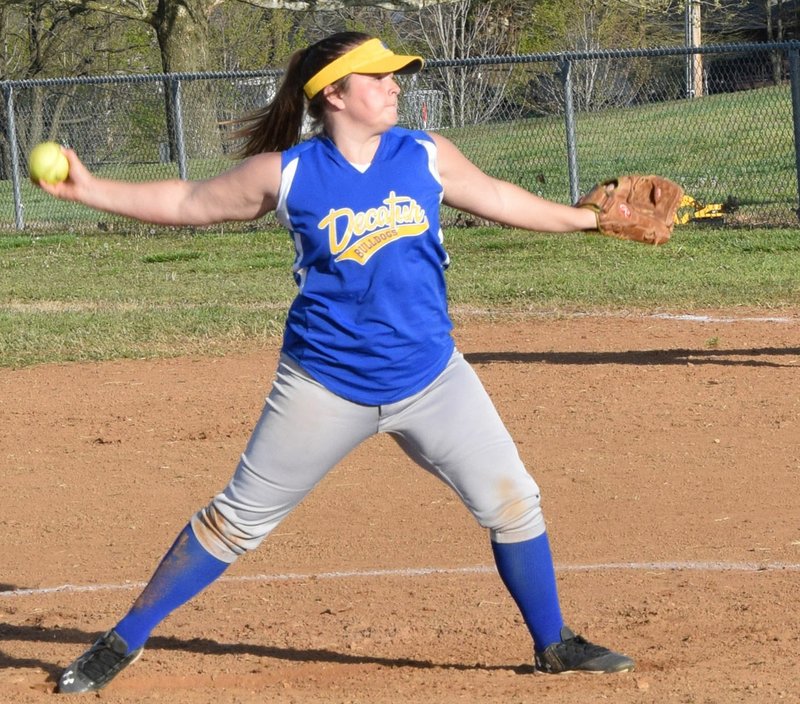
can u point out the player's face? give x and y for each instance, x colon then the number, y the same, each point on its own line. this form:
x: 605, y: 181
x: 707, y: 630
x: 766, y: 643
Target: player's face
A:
x: 372, y: 99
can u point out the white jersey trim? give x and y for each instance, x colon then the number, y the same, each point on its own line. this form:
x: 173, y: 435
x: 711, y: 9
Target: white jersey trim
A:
x: 282, y: 213
x: 433, y: 167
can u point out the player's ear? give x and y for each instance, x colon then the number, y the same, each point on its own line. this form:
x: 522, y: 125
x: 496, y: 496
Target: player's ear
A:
x: 333, y: 96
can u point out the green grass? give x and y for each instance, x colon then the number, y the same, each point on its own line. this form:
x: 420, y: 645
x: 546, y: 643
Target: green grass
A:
x: 67, y: 297
x: 734, y: 145
x: 699, y: 268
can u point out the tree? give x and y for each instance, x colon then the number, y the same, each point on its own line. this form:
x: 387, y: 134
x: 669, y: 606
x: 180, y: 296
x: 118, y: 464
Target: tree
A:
x: 233, y: 28
x: 464, y: 29
x: 748, y: 21
x: 39, y: 40
x: 183, y: 26
x: 775, y: 32
x: 596, y: 25
x: 183, y: 30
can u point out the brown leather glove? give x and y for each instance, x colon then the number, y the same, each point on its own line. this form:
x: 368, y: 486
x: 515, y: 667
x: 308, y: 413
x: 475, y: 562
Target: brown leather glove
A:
x: 639, y: 208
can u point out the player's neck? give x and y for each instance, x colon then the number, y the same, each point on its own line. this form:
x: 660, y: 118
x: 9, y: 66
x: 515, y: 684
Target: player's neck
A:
x: 356, y: 147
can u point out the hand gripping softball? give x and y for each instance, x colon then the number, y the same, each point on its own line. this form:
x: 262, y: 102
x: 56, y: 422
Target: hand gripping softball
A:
x: 639, y: 208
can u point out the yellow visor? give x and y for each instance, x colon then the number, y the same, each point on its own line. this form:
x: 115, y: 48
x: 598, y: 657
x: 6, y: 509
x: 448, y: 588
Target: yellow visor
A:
x: 370, y: 57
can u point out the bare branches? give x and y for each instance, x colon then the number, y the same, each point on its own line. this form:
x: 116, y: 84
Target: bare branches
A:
x: 342, y: 4
x: 129, y: 9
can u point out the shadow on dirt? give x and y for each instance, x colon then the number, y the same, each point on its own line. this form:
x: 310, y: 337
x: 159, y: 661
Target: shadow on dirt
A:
x: 723, y: 357
x: 205, y: 646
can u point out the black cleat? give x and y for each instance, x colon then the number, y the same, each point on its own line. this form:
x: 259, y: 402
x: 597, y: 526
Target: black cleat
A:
x: 97, y: 666
x: 576, y: 654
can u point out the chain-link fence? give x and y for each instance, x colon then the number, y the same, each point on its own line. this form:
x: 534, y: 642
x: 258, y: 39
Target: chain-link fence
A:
x: 722, y: 120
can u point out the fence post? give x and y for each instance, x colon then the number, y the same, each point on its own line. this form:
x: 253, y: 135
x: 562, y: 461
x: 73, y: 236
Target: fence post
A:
x: 177, y: 121
x: 794, y: 78
x: 8, y: 95
x: 565, y: 71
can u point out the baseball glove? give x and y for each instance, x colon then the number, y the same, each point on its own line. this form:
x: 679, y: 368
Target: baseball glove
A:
x: 639, y: 208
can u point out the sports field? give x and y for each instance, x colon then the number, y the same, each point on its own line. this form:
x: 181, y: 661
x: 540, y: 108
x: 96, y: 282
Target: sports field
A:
x: 667, y: 447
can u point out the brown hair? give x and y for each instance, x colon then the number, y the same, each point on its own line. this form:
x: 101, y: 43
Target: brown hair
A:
x: 279, y: 124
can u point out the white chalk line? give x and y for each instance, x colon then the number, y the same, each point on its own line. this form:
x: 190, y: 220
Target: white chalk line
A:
x: 636, y: 315
x: 426, y: 571
x: 693, y: 317
x: 721, y: 319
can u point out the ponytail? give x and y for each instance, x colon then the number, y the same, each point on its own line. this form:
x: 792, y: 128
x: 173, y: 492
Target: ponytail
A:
x: 279, y: 124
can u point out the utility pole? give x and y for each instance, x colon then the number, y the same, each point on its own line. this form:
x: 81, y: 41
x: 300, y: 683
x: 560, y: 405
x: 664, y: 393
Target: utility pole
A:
x: 694, y: 62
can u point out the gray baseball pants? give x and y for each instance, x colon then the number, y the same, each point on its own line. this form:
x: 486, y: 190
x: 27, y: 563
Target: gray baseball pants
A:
x: 451, y: 429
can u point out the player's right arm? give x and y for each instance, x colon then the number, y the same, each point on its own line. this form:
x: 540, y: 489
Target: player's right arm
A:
x: 246, y: 192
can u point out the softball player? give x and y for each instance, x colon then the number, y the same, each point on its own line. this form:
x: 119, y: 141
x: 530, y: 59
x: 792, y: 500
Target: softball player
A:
x: 367, y: 346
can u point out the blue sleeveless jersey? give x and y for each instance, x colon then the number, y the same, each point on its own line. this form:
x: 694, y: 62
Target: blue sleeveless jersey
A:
x: 370, y: 319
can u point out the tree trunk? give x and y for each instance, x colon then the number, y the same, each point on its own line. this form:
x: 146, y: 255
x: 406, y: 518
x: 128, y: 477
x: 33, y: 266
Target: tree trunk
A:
x: 182, y: 30
x: 775, y: 34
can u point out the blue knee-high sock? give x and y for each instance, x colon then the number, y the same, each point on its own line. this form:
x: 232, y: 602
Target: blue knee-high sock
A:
x: 527, y: 570
x: 184, y: 572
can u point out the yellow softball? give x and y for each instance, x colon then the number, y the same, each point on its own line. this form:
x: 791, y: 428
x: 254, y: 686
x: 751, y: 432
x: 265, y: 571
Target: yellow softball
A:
x: 48, y: 163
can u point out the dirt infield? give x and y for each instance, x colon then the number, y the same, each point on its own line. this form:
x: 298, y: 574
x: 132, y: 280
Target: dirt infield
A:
x: 667, y: 449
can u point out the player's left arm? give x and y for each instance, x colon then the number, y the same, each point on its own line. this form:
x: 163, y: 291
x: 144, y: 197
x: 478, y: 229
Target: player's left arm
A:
x: 468, y: 188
